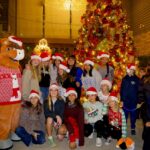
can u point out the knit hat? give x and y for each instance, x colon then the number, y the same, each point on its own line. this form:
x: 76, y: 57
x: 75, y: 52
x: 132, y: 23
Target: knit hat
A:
x: 102, y: 54
x: 69, y: 91
x: 58, y: 56
x: 89, y: 62
x: 63, y: 66
x: 34, y: 93
x: 45, y: 56
x: 91, y: 91
x: 113, y: 96
x: 35, y: 56
x: 15, y: 40
x: 54, y: 86
x: 131, y: 67
x: 107, y: 82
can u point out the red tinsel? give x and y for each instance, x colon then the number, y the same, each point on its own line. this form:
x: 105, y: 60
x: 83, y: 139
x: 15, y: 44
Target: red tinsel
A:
x: 92, y: 1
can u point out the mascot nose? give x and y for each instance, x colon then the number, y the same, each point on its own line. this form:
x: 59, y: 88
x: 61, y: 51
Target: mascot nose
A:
x: 20, y: 54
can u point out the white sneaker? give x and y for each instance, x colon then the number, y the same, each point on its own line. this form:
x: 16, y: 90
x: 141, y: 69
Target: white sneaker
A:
x: 108, y: 141
x: 90, y: 136
x: 98, y: 142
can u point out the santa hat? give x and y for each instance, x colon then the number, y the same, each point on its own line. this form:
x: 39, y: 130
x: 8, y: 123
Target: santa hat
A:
x: 34, y: 93
x: 89, y: 62
x: 35, y: 56
x: 64, y: 67
x: 45, y: 56
x: 102, y: 54
x: 107, y: 82
x: 54, y: 86
x: 70, y: 91
x: 91, y: 91
x: 113, y: 96
x: 131, y: 66
x: 15, y: 40
x: 58, y: 56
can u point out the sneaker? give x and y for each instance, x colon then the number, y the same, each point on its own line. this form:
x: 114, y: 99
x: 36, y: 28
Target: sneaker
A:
x: 108, y: 141
x: 98, y: 142
x: 133, y: 132
x: 90, y: 136
x: 51, y: 142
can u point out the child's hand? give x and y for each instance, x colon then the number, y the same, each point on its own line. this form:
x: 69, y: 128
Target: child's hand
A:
x: 78, y: 84
x: 35, y: 135
x: 59, y: 121
x: 147, y: 124
x: 87, y: 109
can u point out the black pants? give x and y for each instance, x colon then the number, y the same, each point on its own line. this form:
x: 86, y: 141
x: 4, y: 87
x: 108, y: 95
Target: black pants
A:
x: 97, y: 126
x: 146, y: 138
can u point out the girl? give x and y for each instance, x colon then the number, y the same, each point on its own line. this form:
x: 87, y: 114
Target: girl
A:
x: 32, y: 121
x: 90, y: 77
x: 74, y: 119
x: 105, y: 87
x: 116, y: 126
x: 93, y: 115
x: 75, y: 74
x: 54, y: 110
x: 57, y: 59
x: 45, y: 75
x: 31, y: 76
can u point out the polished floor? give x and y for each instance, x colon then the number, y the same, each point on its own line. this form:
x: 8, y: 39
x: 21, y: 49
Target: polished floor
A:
x: 89, y: 143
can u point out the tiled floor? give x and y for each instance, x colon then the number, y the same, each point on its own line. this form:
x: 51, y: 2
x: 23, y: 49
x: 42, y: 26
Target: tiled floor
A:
x: 89, y: 143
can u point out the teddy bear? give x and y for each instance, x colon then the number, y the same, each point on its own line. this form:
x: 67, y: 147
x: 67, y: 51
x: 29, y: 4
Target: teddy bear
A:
x: 11, y: 52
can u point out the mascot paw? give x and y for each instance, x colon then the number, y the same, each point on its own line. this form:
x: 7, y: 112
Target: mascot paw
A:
x: 6, y: 144
x: 15, y: 137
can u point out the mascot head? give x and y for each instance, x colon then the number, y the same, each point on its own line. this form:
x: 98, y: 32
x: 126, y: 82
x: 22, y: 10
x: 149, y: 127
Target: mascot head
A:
x: 11, y: 52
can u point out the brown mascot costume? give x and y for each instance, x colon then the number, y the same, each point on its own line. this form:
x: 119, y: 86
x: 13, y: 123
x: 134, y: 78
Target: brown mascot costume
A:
x: 11, y: 52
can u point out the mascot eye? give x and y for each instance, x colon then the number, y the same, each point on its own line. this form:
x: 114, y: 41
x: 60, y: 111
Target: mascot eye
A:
x: 8, y: 48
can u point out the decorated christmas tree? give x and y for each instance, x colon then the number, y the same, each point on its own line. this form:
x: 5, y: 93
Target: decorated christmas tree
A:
x: 105, y: 28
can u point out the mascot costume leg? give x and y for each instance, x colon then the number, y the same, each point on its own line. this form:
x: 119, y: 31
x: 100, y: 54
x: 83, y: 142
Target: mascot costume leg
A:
x: 11, y: 52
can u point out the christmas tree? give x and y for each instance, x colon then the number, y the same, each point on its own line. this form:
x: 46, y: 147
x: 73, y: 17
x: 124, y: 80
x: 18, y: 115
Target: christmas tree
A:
x: 105, y: 28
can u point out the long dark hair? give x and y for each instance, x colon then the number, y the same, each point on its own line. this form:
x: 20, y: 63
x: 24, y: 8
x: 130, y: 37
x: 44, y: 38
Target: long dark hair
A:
x: 90, y: 72
x: 38, y: 108
x: 77, y: 102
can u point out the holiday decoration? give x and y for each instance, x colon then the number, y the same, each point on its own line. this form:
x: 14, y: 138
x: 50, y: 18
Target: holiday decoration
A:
x: 104, y: 28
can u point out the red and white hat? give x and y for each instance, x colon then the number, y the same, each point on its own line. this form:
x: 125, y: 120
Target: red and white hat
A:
x: 113, y: 96
x: 89, y: 62
x: 131, y: 67
x: 54, y: 86
x: 35, y: 56
x: 63, y: 66
x: 69, y: 91
x: 91, y: 91
x: 102, y: 54
x: 15, y: 40
x: 58, y: 56
x: 34, y: 93
x: 45, y: 56
x: 107, y: 82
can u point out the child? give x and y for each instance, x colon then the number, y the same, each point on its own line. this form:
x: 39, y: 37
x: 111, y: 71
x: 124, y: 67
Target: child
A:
x: 116, y: 123
x: 75, y: 74
x: 31, y: 129
x: 45, y: 75
x: 74, y: 119
x: 105, y: 87
x: 90, y: 77
x: 57, y: 59
x: 105, y: 70
x: 31, y: 76
x: 93, y: 115
x: 129, y: 95
x: 54, y: 111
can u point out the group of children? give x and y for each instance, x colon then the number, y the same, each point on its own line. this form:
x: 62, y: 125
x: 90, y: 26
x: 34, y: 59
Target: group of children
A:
x: 51, y: 91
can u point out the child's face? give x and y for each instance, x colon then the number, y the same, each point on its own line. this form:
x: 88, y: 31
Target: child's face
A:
x: 46, y: 63
x: 131, y: 72
x: 34, y: 101
x: 72, y: 98
x: 35, y: 62
x: 104, y: 88
x: 57, y: 62
x: 53, y: 92
x: 60, y: 72
x: 92, y: 97
x: 104, y: 60
x: 71, y: 61
x: 111, y: 103
x: 87, y: 67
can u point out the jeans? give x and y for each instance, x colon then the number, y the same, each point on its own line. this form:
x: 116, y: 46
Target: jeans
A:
x: 45, y: 92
